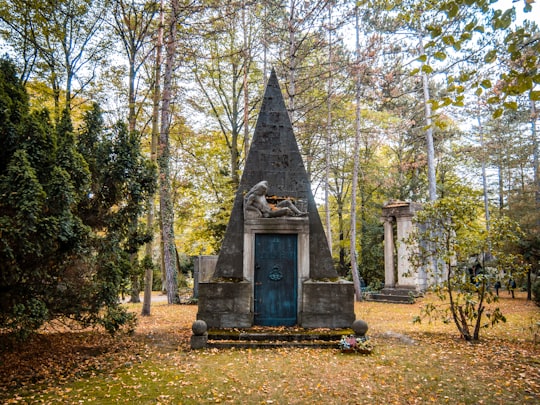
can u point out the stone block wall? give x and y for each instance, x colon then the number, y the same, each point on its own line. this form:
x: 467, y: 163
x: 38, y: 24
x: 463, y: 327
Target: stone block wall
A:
x: 226, y: 304
x: 328, y: 304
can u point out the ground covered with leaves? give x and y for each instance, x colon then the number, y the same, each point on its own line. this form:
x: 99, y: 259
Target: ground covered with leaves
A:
x: 411, y: 364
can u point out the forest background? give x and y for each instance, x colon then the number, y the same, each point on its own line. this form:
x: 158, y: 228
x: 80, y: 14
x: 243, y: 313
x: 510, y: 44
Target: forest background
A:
x: 126, y: 126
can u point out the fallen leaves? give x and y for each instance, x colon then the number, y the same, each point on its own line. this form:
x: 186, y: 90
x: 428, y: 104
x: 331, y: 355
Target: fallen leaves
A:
x: 156, y: 366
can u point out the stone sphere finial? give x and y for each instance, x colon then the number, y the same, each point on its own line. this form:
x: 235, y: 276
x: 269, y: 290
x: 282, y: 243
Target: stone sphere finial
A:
x: 359, y: 327
x: 199, y: 327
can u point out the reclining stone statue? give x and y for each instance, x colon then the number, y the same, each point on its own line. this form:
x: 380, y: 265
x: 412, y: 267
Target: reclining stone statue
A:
x: 256, y: 205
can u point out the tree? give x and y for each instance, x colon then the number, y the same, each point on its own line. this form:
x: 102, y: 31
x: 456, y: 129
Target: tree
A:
x: 356, y: 167
x: 133, y: 25
x: 59, y: 41
x: 223, y: 67
x: 41, y: 178
x: 455, y: 235
x: 365, y: 72
x: 155, y: 132
x: 519, y: 41
x: 165, y: 199
x: 204, y: 196
x: 438, y: 52
x: 122, y: 182
x: 65, y: 212
x: 302, y: 22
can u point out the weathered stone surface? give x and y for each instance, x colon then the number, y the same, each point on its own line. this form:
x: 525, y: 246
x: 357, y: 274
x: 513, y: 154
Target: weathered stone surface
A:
x: 360, y: 327
x: 199, y: 342
x: 205, y: 266
x: 401, y: 213
x: 199, y: 327
x: 203, y: 271
x: 227, y: 299
x: 328, y: 304
x: 274, y: 156
x: 226, y: 304
x: 332, y: 321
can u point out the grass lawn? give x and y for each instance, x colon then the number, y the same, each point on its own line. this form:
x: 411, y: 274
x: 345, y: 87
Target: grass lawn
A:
x: 411, y: 364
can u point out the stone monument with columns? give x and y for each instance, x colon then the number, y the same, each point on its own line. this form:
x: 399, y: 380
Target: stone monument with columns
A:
x: 401, y: 281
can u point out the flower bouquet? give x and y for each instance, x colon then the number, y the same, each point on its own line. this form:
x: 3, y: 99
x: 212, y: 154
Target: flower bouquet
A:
x: 355, y: 344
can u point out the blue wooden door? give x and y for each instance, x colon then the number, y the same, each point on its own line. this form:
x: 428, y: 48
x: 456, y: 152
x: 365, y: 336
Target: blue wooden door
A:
x: 275, y: 279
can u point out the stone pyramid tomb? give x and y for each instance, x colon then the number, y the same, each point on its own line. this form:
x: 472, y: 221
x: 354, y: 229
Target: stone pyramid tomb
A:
x: 275, y: 267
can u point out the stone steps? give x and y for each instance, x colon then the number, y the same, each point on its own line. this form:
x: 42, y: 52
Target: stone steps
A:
x: 223, y: 339
x: 394, y: 295
x: 395, y: 299
x: 271, y: 345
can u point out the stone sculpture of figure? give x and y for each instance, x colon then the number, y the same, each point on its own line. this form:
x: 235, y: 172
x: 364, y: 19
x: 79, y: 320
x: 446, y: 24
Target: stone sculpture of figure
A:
x: 256, y: 205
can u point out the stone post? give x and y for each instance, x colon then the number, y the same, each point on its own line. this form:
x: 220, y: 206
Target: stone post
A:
x: 389, y: 278
x: 405, y: 275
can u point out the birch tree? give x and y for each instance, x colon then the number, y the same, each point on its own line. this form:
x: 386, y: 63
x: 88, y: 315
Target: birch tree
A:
x: 356, y: 156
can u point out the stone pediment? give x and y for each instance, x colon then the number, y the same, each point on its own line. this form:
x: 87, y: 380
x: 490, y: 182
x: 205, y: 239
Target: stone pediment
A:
x: 399, y: 209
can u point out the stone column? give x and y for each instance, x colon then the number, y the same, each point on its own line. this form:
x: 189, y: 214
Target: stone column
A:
x: 406, y: 275
x: 389, y: 278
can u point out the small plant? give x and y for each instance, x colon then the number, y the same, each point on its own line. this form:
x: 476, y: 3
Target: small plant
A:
x: 450, y: 231
x: 376, y: 285
x: 359, y: 344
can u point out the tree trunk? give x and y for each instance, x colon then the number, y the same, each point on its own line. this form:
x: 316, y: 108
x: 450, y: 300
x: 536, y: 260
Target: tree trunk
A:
x: 463, y: 326
x: 149, y: 272
x: 354, y: 263
x: 56, y: 95
x: 484, y: 182
x: 69, y: 84
x: 484, y: 177
x: 148, y: 281
x: 534, y: 117
x: 166, y: 205
x: 432, y: 179
x: 328, y: 135
x: 501, y: 185
x: 341, y: 234
x: 480, y: 312
x: 135, y: 282
x: 135, y: 285
x: 265, y: 44
x: 430, y: 150
x: 247, y: 59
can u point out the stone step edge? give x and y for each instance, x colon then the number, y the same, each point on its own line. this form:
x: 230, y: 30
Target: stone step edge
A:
x: 270, y: 345
x: 277, y: 337
x: 390, y: 300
